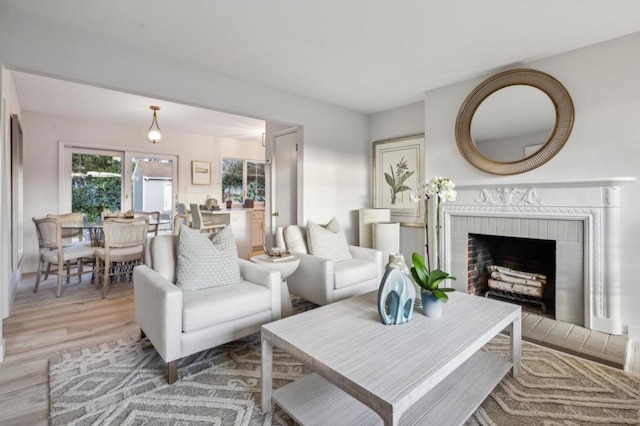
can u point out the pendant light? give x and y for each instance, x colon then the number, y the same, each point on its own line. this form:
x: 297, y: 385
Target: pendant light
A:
x: 154, y: 135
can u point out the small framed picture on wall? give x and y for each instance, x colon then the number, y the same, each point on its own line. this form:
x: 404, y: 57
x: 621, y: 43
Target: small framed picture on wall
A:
x: 201, y: 172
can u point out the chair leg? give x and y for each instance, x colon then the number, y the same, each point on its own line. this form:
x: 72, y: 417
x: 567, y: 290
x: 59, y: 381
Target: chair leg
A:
x: 35, y: 288
x: 59, y: 289
x: 105, y: 279
x: 172, y: 371
x: 46, y: 274
x: 68, y: 271
x: 99, y: 273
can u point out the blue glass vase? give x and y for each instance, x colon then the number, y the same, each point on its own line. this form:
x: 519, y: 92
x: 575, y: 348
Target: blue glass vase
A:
x: 396, y: 293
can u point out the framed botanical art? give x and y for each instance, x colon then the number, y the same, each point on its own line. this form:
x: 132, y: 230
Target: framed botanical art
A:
x: 398, y: 168
x: 201, y: 172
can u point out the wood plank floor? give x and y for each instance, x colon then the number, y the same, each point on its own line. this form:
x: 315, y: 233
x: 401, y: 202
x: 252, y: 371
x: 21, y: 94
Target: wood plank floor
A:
x: 42, y: 325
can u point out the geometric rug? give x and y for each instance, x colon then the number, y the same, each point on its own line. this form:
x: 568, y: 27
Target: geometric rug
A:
x: 124, y: 384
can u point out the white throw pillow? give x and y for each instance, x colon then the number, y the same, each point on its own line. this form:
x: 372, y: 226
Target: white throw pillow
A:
x: 295, y: 239
x: 328, y: 241
x: 204, y: 261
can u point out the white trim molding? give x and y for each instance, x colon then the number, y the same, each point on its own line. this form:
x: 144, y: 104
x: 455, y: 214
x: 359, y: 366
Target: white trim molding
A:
x: 588, y: 209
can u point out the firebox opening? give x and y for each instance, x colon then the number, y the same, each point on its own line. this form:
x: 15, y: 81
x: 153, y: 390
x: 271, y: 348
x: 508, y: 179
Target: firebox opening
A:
x: 523, y: 269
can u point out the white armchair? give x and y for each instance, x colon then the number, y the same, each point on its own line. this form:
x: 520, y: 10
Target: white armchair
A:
x: 180, y: 323
x: 323, y: 281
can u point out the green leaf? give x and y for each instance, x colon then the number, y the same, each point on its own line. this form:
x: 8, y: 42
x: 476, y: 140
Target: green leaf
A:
x: 419, y: 270
x: 390, y: 180
x: 441, y: 295
x: 437, y: 276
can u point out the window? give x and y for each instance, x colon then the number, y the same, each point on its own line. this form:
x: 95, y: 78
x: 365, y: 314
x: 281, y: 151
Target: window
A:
x: 242, y: 179
x: 92, y: 180
x: 96, y: 183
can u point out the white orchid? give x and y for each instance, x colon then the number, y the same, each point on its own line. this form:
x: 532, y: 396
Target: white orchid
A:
x: 440, y: 186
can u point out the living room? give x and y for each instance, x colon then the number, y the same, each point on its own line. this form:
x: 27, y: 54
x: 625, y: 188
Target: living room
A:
x: 336, y: 177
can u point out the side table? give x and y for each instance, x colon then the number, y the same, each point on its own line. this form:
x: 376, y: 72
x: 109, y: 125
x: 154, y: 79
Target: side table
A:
x: 286, y: 266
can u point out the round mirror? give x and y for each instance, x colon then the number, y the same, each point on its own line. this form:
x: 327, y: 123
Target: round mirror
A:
x: 514, y: 122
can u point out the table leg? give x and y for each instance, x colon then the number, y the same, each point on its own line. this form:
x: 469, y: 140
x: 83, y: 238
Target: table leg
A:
x: 285, y: 299
x: 267, y: 374
x: 515, y: 340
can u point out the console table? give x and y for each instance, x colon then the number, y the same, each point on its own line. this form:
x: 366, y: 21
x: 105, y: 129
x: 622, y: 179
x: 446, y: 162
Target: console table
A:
x: 426, y: 371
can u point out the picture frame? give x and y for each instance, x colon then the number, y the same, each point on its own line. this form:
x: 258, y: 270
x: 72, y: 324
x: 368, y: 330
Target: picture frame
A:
x: 201, y: 172
x: 393, y: 159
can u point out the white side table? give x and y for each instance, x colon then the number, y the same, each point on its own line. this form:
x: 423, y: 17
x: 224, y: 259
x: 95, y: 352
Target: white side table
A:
x: 286, y: 267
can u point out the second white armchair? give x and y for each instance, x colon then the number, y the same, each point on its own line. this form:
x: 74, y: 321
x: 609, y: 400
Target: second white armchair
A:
x: 322, y: 280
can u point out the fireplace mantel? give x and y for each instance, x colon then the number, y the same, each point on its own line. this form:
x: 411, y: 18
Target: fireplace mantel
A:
x: 592, y: 203
x: 565, y: 183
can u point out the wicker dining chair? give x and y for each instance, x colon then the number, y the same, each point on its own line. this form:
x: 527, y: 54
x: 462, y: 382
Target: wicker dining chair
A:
x: 52, y: 251
x: 179, y: 219
x: 123, y: 249
x: 72, y: 236
x: 154, y: 219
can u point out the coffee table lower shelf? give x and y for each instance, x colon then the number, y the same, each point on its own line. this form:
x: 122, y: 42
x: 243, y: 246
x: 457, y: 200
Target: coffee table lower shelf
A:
x: 312, y: 400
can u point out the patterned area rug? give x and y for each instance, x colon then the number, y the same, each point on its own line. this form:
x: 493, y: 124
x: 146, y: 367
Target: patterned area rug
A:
x: 124, y: 383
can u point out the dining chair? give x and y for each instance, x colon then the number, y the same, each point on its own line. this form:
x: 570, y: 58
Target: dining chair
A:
x: 154, y: 219
x: 181, y: 208
x: 52, y: 251
x: 71, y: 236
x: 198, y: 223
x: 123, y: 249
x: 179, y: 219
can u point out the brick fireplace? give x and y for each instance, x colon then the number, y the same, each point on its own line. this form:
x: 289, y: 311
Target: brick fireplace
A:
x: 525, y: 255
x: 580, y: 217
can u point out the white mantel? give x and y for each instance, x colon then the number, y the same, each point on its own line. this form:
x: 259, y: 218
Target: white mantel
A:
x: 593, y: 204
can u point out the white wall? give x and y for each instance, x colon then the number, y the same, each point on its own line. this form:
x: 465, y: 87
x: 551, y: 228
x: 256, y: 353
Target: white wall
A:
x: 403, y: 121
x: 603, y: 82
x: 42, y: 134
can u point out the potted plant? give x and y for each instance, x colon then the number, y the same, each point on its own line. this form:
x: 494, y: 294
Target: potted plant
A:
x: 429, y: 281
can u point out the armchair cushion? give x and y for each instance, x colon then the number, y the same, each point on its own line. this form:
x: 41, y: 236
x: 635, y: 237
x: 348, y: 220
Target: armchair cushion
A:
x: 216, y: 305
x: 327, y: 241
x: 353, y: 271
x: 296, y: 239
x: 205, y: 262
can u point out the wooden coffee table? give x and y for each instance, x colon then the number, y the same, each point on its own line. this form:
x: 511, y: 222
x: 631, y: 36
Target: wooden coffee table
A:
x: 426, y: 371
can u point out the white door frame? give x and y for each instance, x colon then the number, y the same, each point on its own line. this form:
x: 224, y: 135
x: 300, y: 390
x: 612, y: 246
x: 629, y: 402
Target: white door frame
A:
x: 270, y: 173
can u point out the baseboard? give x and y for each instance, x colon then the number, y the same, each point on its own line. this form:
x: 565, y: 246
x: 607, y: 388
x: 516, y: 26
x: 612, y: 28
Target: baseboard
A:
x: 1, y: 350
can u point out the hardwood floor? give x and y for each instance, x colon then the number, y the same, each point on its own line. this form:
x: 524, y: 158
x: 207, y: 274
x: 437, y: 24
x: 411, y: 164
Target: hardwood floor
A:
x: 42, y: 326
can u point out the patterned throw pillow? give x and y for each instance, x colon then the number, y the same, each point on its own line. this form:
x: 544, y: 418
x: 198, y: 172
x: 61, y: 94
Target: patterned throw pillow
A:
x: 328, y: 240
x: 205, y: 261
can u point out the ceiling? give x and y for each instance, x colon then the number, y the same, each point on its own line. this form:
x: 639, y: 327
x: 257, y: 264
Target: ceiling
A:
x: 51, y: 96
x: 365, y: 55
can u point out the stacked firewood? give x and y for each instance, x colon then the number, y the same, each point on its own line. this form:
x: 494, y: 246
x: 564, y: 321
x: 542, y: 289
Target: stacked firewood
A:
x: 518, y: 282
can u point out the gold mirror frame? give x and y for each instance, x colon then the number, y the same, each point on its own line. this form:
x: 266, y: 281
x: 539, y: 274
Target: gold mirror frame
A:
x: 561, y: 131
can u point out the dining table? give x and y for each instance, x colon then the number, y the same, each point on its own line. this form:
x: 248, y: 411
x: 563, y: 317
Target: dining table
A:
x: 94, y: 229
